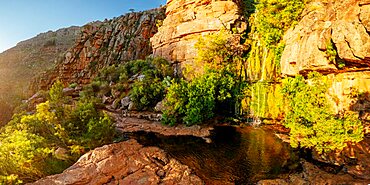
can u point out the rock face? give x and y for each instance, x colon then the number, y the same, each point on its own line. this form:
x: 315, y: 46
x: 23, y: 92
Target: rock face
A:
x: 124, y: 163
x: 105, y: 43
x: 355, y: 158
x: 346, y: 85
x: 28, y: 59
x: 187, y: 20
x: 344, y: 24
x: 313, y: 175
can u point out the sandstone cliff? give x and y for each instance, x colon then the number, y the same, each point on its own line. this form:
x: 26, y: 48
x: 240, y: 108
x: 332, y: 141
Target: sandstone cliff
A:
x: 26, y: 60
x: 187, y: 20
x: 343, y: 24
x: 326, y: 26
x: 104, y: 43
x: 125, y: 163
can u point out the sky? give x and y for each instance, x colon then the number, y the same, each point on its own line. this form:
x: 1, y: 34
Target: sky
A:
x: 24, y: 19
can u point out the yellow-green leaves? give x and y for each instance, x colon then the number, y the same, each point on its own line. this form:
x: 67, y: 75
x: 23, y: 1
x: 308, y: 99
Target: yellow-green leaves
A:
x: 311, y: 120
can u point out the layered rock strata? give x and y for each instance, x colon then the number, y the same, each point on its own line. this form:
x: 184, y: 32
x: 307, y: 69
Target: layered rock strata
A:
x: 342, y: 25
x: 124, y: 163
x: 102, y: 44
x: 187, y: 20
x: 333, y: 38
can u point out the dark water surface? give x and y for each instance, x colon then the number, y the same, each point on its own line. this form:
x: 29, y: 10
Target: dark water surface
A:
x: 235, y: 156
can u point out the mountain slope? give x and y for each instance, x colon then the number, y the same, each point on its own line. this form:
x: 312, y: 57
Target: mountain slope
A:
x: 102, y: 44
x: 29, y: 58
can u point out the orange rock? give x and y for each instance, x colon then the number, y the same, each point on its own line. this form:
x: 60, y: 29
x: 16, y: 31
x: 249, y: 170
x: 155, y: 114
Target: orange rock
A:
x: 187, y: 20
x: 344, y: 22
x: 104, y: 43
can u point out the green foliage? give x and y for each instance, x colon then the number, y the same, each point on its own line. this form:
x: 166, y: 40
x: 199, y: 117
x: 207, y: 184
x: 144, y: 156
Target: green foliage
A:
x: 268, y: 23
x: 176, y: 100
x: 10, y: 180
x: 199, y: 100
x: 140, y: 79
x: 216, y: 52
x: 276, y: 16
x: 147, y: 93
x: 331, y: 52
x: 23, y: 153
x: 311, y: 119
x: 215, y: 83
x: 29, y: 141
x: 56, y: 92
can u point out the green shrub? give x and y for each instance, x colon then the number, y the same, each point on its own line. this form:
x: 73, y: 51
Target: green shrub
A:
x: 199, y: 100
x: 23, y: 153
x: 311, y: 120
x: 331, y: 52
x: 10, y: 180
x: 147, y: 93
x: 56, y: 92
x: 273, y: 17
x: 28, y: 141
x: 216, y: 82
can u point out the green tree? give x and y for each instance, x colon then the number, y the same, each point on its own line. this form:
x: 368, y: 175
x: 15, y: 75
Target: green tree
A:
x: 311, y: 120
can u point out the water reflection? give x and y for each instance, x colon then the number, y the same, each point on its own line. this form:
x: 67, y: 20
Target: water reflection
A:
x: 235, y: 156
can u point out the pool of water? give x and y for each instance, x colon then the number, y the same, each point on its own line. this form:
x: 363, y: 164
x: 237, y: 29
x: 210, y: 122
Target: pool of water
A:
x: 235, y: 155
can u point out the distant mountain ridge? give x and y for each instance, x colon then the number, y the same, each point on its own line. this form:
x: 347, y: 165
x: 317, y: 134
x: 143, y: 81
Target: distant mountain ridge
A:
x: 18, y: 65
x: 101, y: 44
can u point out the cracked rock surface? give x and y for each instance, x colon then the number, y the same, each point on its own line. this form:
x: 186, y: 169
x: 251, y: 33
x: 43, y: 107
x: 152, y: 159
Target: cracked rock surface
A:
x: 345, y: 23
x: 124, y: 163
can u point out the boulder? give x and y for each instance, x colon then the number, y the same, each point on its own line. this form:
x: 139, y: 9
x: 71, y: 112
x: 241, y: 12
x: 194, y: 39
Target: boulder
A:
x: 160, y: 106
x: 125, y: 102
x: 124, y: 163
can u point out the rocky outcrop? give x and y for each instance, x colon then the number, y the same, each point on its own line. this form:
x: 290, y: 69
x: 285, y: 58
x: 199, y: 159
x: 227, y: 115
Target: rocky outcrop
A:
x: 130, y: 124
x: 355, y: 158
x: 124, y: 163
x: 350, y: 91
x: 313, y: 175
x: 102, y: 44
x: 28, y: 59
x: 187, y: 20
x: 329, y: 25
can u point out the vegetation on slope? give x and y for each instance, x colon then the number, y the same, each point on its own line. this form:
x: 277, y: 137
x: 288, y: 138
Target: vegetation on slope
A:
x: 214, y: 88
x: 34, y: 145
x: 311, y: 120
x: 269, y: 19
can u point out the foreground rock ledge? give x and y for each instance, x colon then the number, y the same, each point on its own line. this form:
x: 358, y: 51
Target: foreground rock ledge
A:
x: 127, y: 124
x: 313, y: 175
x: 124, y: 163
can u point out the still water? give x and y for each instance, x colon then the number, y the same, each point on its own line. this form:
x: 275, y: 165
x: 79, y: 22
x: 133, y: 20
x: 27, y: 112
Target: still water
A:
x: 235, y: 155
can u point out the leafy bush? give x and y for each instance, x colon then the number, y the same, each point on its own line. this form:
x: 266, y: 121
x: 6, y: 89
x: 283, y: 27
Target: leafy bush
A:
x: 23, y: 153
x: 141, y: 79
x: 147, y: 93
x: 56, y: 92
x: 331, y: 52
x: 311, y: 119
x: 199, y: 100
x: 276, y: 16
x: 29, y: 141
x: 216, y: 82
